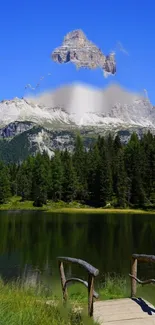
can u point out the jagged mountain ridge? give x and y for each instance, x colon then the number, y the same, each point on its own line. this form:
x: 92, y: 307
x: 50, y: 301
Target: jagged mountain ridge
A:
x: 25, y: 110
x: 50, y: 120
x: 80, y: 106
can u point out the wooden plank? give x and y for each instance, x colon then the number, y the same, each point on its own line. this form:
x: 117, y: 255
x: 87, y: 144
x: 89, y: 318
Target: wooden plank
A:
x: 126, y: 315
x: 124, y: 312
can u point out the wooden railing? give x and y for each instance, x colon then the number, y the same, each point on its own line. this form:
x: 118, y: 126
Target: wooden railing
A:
x: 133, y: 275
x: 92, y: 273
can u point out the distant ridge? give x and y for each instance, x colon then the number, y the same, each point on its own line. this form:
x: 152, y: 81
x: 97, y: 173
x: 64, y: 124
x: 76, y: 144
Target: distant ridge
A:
x: 50, y: 120
x: 81, y: 105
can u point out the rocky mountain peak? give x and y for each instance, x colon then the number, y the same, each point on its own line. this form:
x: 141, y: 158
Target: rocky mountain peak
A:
x: 76, y: 36
x: 76, y: 48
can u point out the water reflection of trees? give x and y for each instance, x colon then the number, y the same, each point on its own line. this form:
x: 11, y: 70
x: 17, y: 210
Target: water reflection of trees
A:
x: 107, y: 242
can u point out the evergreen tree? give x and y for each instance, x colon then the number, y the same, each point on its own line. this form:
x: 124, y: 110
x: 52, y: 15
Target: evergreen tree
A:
x: 105, y: 173
x: 110, y: 150
x: 152, y: 166
x: 79, y: 163
x: 24, y: 179
x: 105, y: 181
x: 116, y: 150
x: 93, y: 176
x: 13, y: 171
x: 148, y: 167
x: 122, y: 184
x: 57, y: 177
x: 69, y: 183
x: 47, y: 165
x: 5, y: 190
x: 134, y: 161
x: 23, y: 183
x: 117, y: 143
x: 101, y: 144
x: 40, y: 181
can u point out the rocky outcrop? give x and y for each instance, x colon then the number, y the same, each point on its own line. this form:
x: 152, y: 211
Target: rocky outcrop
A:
x: 14, y: 129
x: 76, y: 48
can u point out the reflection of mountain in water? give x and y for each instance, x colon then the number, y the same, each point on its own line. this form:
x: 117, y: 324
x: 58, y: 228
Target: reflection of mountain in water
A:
x: 33, y: 240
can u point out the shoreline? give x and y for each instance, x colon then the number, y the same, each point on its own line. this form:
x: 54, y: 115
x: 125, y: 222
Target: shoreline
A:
x: 100, y: 211
x: 14, y: 204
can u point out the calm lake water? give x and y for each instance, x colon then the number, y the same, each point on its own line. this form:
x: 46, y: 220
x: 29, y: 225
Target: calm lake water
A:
x: 30, y: 240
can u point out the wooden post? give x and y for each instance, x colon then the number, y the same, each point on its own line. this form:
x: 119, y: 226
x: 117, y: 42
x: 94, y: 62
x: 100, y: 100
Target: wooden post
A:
x: 63, y: 281
x: 90, y: 294
x: 92, y: 273
x: 134, y: 273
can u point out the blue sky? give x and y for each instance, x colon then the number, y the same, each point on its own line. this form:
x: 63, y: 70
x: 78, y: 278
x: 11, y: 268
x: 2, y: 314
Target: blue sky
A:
x: 30, y: 30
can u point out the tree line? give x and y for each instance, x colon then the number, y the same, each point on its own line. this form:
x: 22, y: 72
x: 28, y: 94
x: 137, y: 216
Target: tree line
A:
x: 106, y: 173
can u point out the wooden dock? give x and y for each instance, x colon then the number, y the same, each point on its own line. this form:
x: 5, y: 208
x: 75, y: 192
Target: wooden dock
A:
x: 128, y: 311
x: 124, y: 312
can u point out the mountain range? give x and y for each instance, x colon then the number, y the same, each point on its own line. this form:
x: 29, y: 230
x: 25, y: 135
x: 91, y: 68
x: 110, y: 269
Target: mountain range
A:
x: 51, y: 120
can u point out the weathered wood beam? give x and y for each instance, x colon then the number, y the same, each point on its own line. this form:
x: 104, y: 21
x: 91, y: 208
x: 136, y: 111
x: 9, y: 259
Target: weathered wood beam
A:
x: 144, y: 258
x: 142, y: 282
x: 91, y: 269
x: 95, y: 294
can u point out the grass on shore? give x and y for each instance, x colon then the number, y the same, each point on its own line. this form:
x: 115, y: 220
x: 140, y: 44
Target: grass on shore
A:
x: 14, y: 203
x: 25, y: 306
x: 114, y: 287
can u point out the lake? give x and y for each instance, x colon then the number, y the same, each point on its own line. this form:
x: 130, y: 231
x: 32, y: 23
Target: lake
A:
x: 33, y: 240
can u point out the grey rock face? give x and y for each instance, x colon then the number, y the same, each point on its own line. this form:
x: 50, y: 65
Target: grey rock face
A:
x: 14, y: 129
x: 76, y: 48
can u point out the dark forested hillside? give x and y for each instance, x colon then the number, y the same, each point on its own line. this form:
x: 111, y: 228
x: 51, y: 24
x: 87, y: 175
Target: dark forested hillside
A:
x: 109, y: 172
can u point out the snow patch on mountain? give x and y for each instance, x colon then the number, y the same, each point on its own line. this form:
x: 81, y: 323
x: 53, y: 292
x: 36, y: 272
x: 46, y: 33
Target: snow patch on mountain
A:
x: 80, y: 106
x: 92, y: 106
x: 24, y: 110
x: 40, y: 140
